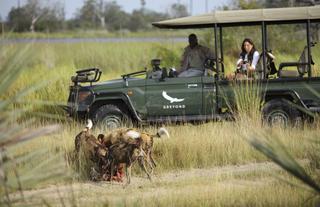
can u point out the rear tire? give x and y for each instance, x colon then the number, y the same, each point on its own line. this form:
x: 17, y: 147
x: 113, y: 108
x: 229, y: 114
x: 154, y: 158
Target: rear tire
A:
x: 110, y: 117
x: 280, y: 112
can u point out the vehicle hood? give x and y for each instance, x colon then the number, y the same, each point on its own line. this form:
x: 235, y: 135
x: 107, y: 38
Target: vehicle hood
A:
x: 115, y: 83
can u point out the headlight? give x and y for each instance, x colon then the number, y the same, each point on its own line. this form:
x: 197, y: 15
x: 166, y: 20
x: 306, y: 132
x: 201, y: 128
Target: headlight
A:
x: 83, y: 95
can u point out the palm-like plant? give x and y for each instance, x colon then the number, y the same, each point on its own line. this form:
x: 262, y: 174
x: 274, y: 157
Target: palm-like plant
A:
x: 15, y: 172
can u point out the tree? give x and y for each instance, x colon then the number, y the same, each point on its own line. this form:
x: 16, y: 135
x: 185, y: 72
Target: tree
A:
x: 143, y: 3
x: 19, y: 20
x: 100, y: 14
x: 178, y: 10
x: 1, y: 26
x: 88, y: 15
x: 33, y: 8
x: 32, y: 16
x: 142, y: 19
x: 115, y: 17
x: 249, y: 4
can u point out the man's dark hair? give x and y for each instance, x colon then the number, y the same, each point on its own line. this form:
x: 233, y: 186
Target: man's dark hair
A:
x: 192, y: 36
x: 193, y: 40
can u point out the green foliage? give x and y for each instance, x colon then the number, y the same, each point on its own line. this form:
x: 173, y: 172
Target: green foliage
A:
x: 277, y: 152
x: 248, y: 100
x: 249, y: 4
x: 87, y: 14
x: 116, y: 18
x: 170, y: 57
x: 45, y: 18
x: 142, y: 19
x: 21, y: 169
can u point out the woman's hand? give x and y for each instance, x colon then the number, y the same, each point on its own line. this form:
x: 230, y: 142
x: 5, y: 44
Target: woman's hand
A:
x: 250, y: 70
x: 239, y: 64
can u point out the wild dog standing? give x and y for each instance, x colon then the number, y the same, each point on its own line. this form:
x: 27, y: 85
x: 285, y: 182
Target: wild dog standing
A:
x: 148, y: 145
x: 126, y: 152
x: 87, y: 145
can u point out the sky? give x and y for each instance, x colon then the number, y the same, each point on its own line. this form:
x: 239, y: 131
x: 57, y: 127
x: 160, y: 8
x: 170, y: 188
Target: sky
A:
x: 71, y: 6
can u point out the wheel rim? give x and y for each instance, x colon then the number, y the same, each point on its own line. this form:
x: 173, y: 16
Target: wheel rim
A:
x: 111, y: 122
x: 278, y: 118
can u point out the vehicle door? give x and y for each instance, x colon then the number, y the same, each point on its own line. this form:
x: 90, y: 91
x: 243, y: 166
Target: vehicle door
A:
x: 209, y: 98
x: 174, y: 96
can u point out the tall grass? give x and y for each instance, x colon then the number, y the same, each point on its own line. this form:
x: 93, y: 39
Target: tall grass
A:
x: 205, y: 146
x: 20, y: 171
x: 202, y: 146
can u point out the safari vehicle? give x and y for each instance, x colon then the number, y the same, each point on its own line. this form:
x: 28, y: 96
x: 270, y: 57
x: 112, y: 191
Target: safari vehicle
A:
x: 294, y: 94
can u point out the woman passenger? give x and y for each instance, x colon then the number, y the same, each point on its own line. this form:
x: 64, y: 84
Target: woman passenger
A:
x: 249, y: 57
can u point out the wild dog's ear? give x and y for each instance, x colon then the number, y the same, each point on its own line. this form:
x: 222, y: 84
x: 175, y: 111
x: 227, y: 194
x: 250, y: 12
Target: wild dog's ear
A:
x: 101, y: 137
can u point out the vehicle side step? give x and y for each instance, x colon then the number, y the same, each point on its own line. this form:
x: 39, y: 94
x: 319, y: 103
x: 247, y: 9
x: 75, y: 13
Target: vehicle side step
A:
x: 314, y: 109
x: 226, y: 116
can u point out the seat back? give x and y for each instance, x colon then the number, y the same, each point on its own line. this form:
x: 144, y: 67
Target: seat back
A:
x: 271, y: 68
x: 302, y: 69
x: 259, y: 68
x: 288, y: 73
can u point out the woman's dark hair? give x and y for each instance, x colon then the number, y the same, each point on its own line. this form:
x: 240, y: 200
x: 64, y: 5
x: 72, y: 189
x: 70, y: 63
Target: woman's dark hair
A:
x: 244, y: 52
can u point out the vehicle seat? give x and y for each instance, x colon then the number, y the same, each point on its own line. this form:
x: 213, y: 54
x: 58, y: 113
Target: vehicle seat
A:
x: 288, y: 73
x: 270, y: 70
x: 259, y: 68
x: 301, y: 65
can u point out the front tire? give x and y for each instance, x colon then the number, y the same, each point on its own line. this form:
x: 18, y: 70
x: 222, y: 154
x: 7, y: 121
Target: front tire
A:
x: 110, y: 117
x: 280, y: 112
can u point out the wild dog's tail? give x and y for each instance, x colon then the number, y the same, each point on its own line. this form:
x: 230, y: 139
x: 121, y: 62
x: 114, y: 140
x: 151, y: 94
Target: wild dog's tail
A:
x: 89, y: 125
x: 162, y: 131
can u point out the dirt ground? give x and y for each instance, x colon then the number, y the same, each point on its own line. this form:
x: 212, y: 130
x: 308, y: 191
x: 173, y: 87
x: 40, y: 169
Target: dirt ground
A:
x: 95, y: 193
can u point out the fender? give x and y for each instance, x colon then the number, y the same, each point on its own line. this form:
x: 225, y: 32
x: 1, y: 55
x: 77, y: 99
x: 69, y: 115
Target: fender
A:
x: 107, y: 96
x: 290, y: 95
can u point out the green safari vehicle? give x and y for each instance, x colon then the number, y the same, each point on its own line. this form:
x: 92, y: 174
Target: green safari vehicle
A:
x: 293, y: 95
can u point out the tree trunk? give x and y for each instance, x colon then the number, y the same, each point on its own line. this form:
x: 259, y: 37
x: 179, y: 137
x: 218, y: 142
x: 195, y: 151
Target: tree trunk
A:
x: 33, y: 22
x: 103, y: 22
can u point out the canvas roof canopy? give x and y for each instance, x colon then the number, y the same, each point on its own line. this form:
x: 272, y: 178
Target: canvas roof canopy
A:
x: 242, y: 17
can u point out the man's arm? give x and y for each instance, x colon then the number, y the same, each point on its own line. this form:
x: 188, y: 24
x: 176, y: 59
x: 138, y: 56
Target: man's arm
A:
x: 184, y: 60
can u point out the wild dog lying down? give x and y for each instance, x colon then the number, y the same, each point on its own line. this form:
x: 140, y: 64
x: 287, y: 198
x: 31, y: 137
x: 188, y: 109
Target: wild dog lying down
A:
x: 123, y: 134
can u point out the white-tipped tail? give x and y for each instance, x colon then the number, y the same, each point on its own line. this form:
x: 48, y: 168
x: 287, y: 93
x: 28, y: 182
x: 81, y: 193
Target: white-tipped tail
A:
x: 163, y: 131
x: 133, y: 134
x: 89, y: 124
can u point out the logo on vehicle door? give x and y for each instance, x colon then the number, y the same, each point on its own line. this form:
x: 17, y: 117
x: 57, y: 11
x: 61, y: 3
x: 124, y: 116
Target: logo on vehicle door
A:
x: 171, y: 99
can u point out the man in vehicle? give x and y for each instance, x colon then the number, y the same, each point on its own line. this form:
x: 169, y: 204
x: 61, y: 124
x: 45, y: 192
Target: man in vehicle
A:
x: 193, y: 58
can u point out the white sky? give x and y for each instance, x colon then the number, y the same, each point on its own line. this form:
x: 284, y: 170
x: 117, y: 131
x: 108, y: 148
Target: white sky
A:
x: 71, y: 6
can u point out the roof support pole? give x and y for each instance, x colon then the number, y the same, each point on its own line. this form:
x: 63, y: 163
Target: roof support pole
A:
x: 264, y: 48
x: 221, y: 51
x: 309, y: 48
x: 216, y: 49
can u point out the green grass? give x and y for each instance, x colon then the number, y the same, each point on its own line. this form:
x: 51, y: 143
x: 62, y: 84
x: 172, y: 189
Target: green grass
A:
x: 97, y: 34
x: 219, y: 145
x: 47, y: 73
